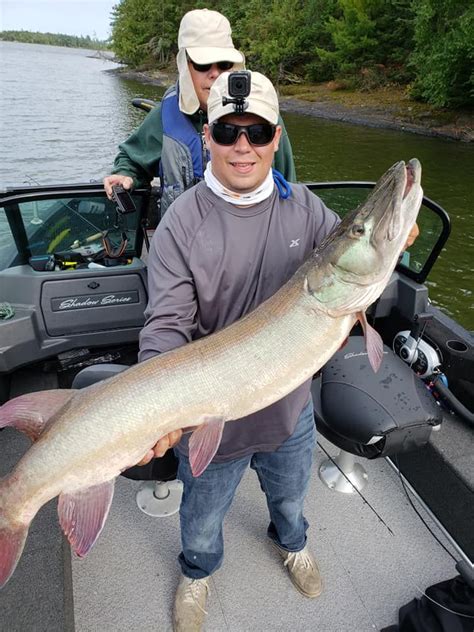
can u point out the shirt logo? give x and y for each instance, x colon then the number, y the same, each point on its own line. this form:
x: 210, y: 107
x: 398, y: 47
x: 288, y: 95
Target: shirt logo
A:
x: 295, y: 242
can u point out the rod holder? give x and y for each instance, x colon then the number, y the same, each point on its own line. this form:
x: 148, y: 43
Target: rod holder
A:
x: 159, y: 498
x: 343, y: 474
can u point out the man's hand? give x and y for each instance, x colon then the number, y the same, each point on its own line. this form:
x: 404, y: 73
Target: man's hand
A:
x: 163, y: 445
x: 109, y: 181
x: 412, y: 235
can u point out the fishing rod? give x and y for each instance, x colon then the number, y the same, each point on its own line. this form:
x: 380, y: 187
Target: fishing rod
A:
x: 37, y: 220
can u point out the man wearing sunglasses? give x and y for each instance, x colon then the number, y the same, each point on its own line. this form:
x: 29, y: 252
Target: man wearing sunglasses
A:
x: 169, y: 142
x: 222, y: 248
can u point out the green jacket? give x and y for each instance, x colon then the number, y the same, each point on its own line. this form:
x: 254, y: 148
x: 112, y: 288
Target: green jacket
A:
x: 139, y: 155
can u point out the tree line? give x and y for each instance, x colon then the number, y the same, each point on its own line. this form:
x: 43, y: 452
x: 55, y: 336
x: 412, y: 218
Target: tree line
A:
x: 53, y: 39
x: 426, y: 45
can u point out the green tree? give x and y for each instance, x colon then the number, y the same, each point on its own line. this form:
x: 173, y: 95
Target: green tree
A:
x: 314, y: 35
x: 369, y: 39
x: 131, y: 29
x: 53, y: 39
x: 443, y: 59
x: 145, y: 32
x: 268, y: 34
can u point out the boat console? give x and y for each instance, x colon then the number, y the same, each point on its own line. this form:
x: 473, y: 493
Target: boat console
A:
x: 70, y: 272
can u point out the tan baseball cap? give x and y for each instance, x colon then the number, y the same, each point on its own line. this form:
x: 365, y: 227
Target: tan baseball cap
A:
x: 262, y: 100
x: 206, y: 37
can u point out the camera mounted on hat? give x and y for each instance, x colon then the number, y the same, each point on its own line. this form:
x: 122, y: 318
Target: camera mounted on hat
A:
x: 239, y: 88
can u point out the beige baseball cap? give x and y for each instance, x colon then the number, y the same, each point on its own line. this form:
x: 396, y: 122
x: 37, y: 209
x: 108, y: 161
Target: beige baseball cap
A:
x: 206, y: 37
x: 262, y: 100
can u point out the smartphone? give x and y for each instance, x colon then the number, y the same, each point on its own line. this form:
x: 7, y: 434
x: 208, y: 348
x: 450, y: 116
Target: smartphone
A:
x: 123, y: 200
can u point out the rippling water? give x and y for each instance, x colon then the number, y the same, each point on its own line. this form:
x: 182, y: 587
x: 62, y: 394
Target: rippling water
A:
x: 62, y: 116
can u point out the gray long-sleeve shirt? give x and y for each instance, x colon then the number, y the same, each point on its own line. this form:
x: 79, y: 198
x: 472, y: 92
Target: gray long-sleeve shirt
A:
x: 210, y: 263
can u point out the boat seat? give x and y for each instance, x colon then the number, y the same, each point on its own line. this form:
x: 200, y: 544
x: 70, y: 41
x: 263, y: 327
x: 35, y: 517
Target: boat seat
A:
x: 161, y: 494
x: 370, y: 414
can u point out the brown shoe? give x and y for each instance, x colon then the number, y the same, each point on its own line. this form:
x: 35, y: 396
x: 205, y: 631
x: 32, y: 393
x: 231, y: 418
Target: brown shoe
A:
x: 303, y: 571
x: 189, y: 608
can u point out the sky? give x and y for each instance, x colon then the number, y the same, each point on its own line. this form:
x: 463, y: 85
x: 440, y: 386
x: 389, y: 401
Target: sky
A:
x: 71, y: 17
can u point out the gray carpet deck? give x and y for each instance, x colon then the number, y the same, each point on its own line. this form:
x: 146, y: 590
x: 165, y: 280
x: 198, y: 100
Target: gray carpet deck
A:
x: 371, y: 564
x: 38, y: 597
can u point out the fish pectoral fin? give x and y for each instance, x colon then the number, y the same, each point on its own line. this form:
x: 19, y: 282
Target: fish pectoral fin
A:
x: 82, y: 515
x: 30, y: 413
x: 373, y: 342
x: 204, y: 442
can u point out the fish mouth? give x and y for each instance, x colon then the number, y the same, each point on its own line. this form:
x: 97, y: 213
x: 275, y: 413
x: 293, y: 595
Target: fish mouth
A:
x: 412, y: 173
x: 410, y: 179
x: 397, y: 196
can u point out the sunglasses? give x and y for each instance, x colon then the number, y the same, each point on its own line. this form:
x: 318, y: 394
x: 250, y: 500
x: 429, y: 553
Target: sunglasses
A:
x: 259, y: 134
x: 222, y: 65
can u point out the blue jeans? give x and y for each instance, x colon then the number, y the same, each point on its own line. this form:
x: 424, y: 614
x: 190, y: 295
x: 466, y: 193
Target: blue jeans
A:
x: 284, y: 477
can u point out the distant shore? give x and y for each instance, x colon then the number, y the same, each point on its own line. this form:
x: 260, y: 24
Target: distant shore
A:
x: 387, y: 108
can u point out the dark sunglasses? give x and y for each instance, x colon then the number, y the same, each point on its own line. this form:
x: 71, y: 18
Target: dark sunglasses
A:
x: 258, y: 133
x: 222, y: 65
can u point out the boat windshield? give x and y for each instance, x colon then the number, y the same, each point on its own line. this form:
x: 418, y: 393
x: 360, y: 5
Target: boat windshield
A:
x: 70, y: 227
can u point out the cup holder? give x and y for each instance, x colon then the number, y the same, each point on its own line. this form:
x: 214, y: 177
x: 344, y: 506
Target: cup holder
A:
x: 457, y: 345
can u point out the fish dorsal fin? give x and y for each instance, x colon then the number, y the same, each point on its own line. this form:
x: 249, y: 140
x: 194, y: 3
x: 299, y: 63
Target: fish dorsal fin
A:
x: 373, y: 342
x: 204, y: 442
x: 30, y: 413
x: 82, y: 515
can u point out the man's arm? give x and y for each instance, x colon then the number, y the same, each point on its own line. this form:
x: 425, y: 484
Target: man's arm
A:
x: 171, y: 310
x: 170, y: 316
x: 139, y: 155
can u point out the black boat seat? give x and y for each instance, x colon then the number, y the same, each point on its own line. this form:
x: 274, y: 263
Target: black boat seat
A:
x: 372, y: 414
x: 161, y: 469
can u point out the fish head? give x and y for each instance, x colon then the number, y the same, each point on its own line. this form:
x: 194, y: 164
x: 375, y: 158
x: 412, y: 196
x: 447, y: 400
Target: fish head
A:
x: 351, y: 268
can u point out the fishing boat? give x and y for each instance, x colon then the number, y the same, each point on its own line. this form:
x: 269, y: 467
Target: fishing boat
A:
x: 390, y: 506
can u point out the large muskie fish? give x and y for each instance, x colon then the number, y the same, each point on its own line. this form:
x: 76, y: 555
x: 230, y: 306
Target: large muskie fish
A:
x: 85, y: 438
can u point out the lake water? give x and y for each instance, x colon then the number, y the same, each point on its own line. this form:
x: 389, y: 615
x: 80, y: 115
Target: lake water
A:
x: 62, y: 116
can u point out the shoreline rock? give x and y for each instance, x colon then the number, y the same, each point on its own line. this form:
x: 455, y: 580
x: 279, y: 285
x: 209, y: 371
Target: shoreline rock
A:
x: 367, y: 116
x: 356, y: 114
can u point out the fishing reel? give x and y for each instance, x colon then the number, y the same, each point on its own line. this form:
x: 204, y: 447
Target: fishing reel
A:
x: 419, y: 354
x: 425, y: 361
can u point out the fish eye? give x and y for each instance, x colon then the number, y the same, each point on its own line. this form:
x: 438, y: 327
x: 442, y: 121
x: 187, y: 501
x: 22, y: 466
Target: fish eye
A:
x: 358, y: 230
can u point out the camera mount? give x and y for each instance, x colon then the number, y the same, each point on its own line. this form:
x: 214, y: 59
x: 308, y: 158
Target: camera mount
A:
x: 240, y: 103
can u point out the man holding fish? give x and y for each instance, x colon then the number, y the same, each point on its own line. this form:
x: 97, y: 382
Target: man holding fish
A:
x: 223, y: 248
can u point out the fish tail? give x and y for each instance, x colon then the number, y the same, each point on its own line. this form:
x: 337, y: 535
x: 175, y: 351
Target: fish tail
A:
x: 12, y: 541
